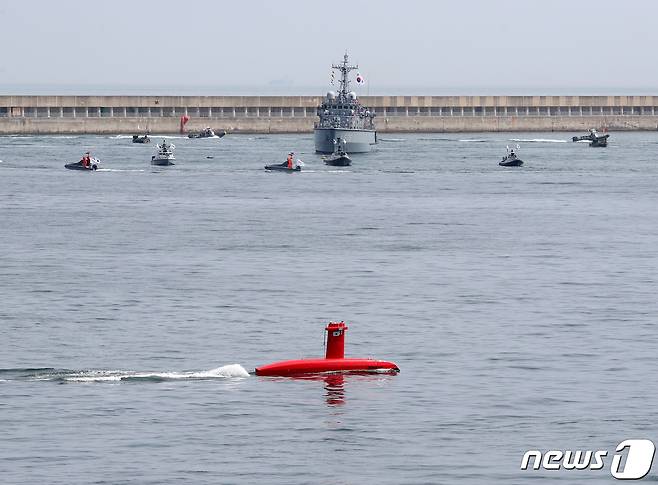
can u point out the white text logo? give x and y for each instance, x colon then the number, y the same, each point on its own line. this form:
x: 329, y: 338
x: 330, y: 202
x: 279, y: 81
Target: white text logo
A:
x: 632, y: 459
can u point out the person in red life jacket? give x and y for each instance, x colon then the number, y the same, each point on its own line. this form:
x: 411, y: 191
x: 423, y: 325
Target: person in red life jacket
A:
x: 86, y: 160
x: 290, y: 155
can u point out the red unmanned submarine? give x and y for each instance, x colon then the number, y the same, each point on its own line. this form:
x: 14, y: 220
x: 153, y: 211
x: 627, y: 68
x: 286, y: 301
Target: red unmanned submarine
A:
x: 334, y: 360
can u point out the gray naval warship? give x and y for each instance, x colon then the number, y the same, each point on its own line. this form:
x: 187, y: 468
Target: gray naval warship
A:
x: 342, y: 117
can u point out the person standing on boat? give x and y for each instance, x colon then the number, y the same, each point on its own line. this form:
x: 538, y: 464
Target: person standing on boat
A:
x: 290, y: 165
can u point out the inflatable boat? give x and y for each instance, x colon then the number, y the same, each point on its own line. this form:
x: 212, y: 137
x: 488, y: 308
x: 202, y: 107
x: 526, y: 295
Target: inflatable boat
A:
x: 93, y: 165
x: 283, y: 167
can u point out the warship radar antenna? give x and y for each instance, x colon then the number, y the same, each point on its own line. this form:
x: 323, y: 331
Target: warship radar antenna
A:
x: 344, y: 80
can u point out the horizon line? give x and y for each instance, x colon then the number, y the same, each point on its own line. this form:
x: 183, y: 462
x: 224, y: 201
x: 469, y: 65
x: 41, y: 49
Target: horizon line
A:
x: 68, y: 89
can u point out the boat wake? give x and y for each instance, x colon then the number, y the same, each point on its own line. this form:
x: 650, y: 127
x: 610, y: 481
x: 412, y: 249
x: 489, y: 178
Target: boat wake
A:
x: 58, y: 137
x: 65, y: 375
x: 537, y: 140
x: 120, y: 170
x: 129, y: 137
x: 392, y: 140
x: 462, y: 140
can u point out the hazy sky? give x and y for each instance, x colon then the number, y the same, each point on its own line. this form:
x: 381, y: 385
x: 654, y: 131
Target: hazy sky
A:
x: 260, y: 46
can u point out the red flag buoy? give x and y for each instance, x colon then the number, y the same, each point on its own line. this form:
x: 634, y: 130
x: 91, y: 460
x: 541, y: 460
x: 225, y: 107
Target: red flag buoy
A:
x: 183, y: 120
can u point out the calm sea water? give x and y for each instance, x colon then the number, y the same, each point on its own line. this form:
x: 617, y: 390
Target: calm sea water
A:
x: 520, y: 305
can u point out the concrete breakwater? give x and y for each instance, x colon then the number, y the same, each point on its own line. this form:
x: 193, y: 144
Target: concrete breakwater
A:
x: 297, y: 114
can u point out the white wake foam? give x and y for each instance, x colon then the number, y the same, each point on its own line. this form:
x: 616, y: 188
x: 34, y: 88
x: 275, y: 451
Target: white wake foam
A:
x: 120, y: 170
x: 122, y: 137
x: 231, y: 370
x: 537, y: 140
x: 226, y: 371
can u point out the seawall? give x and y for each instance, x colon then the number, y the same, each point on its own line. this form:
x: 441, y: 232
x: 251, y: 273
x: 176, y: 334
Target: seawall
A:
x: 297, y: 114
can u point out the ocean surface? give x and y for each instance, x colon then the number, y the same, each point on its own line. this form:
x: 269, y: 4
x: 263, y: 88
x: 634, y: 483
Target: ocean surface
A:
x: 519, y: 303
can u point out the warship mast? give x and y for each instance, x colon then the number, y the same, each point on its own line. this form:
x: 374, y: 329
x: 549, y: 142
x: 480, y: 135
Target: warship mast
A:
x: 344, y: 80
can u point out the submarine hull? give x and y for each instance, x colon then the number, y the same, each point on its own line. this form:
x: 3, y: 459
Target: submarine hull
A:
x: 317, y: 366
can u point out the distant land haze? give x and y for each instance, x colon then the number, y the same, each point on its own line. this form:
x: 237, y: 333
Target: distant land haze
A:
x: 285, y: 89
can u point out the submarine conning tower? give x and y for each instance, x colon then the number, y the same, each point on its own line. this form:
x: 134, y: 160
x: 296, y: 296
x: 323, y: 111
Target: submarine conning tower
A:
x: 335, y: 340
x: 334, y: 360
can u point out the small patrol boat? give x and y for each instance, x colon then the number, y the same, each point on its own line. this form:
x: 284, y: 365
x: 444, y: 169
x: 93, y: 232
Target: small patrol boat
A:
x: 333, y: 362
x: 594, y: 138
x: 165, y: 155
x: 141, y: 139
x: 339, y: 158
x: 511, y: 159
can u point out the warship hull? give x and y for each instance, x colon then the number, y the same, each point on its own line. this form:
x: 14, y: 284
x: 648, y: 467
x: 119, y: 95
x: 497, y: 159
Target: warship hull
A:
x: 356, y: 141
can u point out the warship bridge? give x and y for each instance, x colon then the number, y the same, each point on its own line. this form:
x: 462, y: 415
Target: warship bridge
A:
x: 297, y: 114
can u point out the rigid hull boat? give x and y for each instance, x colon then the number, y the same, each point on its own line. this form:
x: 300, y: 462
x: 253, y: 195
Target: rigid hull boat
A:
x: 511, y: 160
x: 141, y: 139
x: 595, y: 139
x: 165, y: 155
x: 207, y: 133
x: 339, y: 158
x: 343, y: 117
